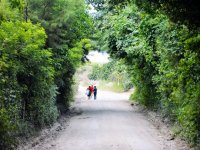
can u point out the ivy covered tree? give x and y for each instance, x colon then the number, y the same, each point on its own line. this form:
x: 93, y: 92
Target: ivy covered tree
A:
x: 161, y: 51
x: 27, y: 77
x: 66, y: 24
x: 41, y: 44
x: 179, y: 11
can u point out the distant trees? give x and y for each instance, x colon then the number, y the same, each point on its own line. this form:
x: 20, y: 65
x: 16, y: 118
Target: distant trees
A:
x: 114, y: 71
x: 41, y: 44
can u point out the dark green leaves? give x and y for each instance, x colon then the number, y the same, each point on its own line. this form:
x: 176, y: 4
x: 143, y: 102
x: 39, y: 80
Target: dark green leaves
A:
x: 162, y: 56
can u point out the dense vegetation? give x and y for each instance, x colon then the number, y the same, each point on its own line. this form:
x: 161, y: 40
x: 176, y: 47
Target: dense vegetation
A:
x: 114, y: 71
x: 159, y: 41
x: 41, y: 44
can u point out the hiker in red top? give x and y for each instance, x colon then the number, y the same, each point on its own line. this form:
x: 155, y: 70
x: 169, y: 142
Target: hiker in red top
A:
x: 91, y: 88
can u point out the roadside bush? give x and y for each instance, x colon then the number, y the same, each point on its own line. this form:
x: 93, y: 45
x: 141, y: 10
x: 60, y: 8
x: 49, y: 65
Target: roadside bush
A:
x: 27, y: 76
x: 162, y: 58
x: 7, y: 129
x: 41, y: 45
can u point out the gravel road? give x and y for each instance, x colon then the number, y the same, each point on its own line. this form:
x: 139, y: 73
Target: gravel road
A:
x: 109, y: 123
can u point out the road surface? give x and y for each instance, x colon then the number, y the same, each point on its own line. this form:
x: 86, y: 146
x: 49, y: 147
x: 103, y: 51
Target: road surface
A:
x: 109, y: 123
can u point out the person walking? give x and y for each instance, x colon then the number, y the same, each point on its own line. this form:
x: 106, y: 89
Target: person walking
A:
x: 88, y: 93
x: 95, y: 92
x: 91, y: 88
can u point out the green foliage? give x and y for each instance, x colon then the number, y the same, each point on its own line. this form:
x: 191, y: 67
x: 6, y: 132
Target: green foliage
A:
x: 37, y: 62
x: 67, y: 26
x: 6, y: 126
x: 9, y: 10
x: 186, y: 12
x: 82, y: 48
x: 162, y: 58
x: 26, y: 75
x: 112, y: 72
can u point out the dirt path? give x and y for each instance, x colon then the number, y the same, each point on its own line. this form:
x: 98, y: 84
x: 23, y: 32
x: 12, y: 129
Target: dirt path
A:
x: 108, y: 123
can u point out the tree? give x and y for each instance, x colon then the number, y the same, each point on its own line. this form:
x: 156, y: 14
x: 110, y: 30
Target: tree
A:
x: 66, y: 24
x: 41, y: 44
x: 160, y: 46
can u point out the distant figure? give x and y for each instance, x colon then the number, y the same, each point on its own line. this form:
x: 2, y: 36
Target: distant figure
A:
x: 91, y: 88
x: 88, y: 93
x: 95, y: 92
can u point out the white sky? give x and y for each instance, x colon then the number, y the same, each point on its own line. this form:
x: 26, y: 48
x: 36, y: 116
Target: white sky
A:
x: 92, y: 10
x: 98, y: 57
